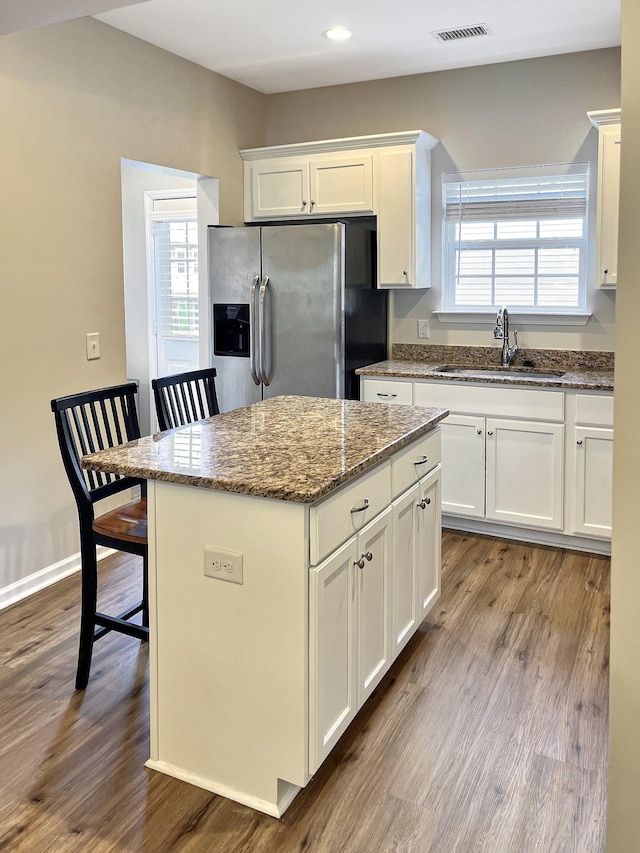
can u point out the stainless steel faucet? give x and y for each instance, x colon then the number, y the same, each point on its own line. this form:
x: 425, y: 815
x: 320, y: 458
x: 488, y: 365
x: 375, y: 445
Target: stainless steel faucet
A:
x: 501, y: 331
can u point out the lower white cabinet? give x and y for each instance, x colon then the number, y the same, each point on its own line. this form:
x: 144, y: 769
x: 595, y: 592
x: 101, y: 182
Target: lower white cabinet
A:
x: 366, y: 600
x: 593, y: 481
x: 525, y: 473
x: 528, y: 458
x: 509, y: 471
x: 463, y: 463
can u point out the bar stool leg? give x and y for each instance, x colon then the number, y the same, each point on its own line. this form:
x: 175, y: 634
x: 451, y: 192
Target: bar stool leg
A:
x: 88, y: 613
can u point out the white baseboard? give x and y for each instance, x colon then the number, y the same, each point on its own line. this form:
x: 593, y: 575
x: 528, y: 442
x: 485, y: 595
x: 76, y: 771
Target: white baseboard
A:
x: 522, y: 534
x: 23, y: 588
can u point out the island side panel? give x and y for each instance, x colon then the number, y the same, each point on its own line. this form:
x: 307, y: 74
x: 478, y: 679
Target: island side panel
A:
x: 229, y: 678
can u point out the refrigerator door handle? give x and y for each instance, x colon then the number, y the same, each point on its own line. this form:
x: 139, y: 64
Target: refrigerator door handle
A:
x: 253, y: 324
x: 263, y: 332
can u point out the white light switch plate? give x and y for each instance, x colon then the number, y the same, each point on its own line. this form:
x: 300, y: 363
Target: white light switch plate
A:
x: 93, y: 345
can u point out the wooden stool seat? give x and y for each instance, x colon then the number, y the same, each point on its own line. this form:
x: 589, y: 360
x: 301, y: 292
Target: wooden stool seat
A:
x: 127, y: 522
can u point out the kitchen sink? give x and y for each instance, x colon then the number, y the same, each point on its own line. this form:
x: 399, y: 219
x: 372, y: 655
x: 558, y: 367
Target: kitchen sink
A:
x: 496, y: 370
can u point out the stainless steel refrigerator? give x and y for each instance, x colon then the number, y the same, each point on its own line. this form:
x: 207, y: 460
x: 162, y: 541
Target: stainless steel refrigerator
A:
x: 295, y: 310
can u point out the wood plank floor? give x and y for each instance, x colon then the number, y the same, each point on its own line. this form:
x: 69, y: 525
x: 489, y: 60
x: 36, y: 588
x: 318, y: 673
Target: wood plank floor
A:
x: 488, y: 734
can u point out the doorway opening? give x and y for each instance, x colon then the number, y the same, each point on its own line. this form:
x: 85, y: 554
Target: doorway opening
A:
x: 165, y: 214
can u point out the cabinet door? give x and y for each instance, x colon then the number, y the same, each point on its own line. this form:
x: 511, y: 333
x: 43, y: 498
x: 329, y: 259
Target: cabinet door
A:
x: 341, y: 185
x: 405, y: 592
x: 463, y: 463
x: 429, y: 531
x: 593, y: 483
x: 332, y: 651
x: 396, y: 219
x: 608, y: 204
x: 373, y: 582
x: 279, y: 188
x: 525, y: 473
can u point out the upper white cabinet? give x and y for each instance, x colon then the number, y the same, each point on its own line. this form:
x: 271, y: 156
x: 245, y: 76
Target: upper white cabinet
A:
x: 315, y: 186
x: 609, y: 126
x: 387, y: 175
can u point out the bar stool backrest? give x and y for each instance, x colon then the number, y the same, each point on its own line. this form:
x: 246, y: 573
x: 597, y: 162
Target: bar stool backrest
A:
x: 185, y: 397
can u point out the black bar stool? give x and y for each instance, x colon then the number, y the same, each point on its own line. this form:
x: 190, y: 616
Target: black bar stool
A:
x: 185, y: 397
x: 85, y: 423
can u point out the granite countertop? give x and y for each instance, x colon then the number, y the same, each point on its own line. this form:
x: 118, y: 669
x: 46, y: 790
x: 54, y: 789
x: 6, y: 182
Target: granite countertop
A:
x: 571, y: 369
x: 288, y: 448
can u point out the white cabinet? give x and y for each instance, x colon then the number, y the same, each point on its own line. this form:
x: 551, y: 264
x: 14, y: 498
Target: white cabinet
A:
x: 350, y: 632
x: 429, y: 543
x: 367, y: 598
x: 387, y: 175
x: 593, y: 481
x: 313, y: 186
x: 463, y: 463
x: 525, y: 473
x: 349, y: 639
x: 332, y: 656
x: 608, y: 123
x: 502, y: 452
x: 591, y: 454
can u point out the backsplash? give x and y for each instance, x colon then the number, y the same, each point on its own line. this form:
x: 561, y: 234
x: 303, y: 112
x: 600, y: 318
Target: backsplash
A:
x: 543, y: 358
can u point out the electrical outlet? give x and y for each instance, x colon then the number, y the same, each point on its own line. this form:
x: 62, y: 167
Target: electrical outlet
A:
x: 223, y: 565
x: 93, y: 345
x: 423, y: 329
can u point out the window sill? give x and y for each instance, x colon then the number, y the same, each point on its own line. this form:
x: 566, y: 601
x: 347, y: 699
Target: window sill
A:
x: 524, y: 318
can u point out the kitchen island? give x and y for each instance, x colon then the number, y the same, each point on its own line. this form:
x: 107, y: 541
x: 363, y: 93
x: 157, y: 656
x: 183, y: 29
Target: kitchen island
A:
x: 294, y: 548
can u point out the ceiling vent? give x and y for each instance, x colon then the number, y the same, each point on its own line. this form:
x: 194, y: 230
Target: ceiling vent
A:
x: 462, y: 33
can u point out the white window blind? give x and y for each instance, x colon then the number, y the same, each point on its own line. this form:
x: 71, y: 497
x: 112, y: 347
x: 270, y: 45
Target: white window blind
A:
x: 175, y: 248
x: 516, y: 238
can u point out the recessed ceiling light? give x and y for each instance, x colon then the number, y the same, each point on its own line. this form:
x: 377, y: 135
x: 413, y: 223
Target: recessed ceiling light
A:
x: 338, y: 34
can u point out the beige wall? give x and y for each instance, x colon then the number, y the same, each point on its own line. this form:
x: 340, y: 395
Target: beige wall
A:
x: 508, y: 114
x: 624, y: 770
x: 74, y: 99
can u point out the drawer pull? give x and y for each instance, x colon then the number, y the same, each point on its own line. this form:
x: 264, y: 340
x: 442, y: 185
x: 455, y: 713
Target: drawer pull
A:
x: 386, y: 396
x: 362, y: 508
x: 422, y: 461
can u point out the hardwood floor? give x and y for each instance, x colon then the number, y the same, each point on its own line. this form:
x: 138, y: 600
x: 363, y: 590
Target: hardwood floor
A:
x: 488, y: 734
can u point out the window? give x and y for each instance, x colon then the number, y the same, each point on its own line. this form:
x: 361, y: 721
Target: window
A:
x: 176, y: 278
x: 516, y: 238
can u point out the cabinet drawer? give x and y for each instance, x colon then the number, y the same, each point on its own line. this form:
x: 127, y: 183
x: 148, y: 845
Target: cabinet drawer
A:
x: 591, y: 409
x: 386, y: 391
x: 332, y: 521
x: 490, y: 401
x: 416, y: 460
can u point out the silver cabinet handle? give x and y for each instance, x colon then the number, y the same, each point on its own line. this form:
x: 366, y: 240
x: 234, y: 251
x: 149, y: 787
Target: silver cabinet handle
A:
x: 386, y: 396
x: 304, y: 203
x: 254, y: 330
x: 262, y: 332
x: 479, y: 431
x: 422, y: 504
x: 405, y: 273
x: 579, y: 441
x: 490, y: 432
x: 312, y: 203
x: 422, y: 461
x: 360, y: 563
x: 362, y: 508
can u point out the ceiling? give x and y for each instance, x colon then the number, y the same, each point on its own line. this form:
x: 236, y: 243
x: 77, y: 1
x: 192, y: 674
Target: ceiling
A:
x: 277, y: 45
